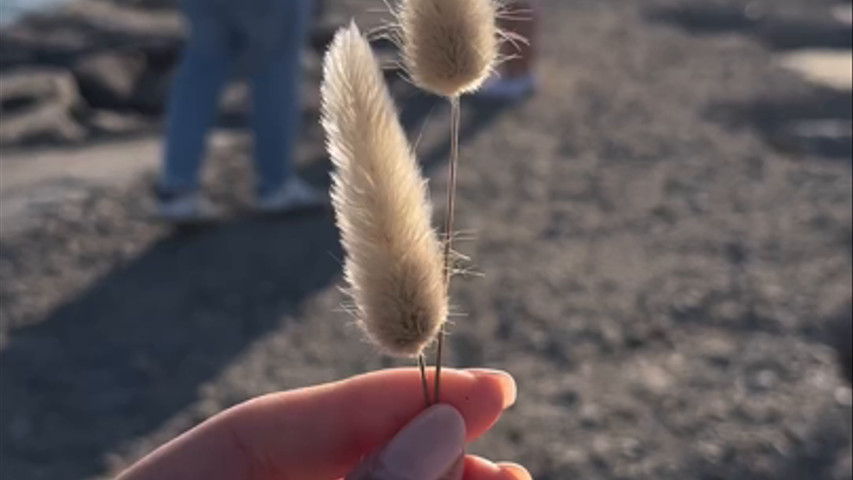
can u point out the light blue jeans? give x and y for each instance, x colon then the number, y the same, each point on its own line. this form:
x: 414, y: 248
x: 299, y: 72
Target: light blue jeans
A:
x: 268, y: 35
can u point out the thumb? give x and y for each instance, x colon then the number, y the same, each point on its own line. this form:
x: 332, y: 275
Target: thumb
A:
x: 430, y: 447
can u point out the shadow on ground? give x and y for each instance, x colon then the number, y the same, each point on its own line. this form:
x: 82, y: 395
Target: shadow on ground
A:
x: 778, y: 33
x: 132, y: 350
x: 817, y: 123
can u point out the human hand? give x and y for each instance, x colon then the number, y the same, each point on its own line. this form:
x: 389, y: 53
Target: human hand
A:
x: 325, y: 432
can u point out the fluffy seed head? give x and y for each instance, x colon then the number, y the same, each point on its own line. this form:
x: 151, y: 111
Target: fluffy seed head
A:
x: 449, y: 46
x: 393, y: 256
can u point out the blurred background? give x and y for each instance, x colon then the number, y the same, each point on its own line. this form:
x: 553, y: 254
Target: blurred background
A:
x: 664, y: 232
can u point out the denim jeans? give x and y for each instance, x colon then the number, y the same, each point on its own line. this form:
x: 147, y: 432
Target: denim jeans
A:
x: 268, y: 35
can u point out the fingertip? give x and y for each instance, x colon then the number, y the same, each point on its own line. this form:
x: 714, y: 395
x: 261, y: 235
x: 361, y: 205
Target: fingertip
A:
x: 481, y: 396
x: 517, y: 471
x: 501, y: 381
x: 478, y: 468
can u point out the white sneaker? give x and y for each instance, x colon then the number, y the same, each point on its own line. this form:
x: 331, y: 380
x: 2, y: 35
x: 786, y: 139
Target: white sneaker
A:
x: 186, y: 208
x: 508, y: 89
x: 294, y: 195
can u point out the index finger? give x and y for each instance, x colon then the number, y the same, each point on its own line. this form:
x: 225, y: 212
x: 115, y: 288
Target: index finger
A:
x: 321, y: 433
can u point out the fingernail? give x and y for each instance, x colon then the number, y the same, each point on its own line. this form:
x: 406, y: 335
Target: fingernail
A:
x: 518, y: 472
x: 427, y: 448
x: 506, y: 381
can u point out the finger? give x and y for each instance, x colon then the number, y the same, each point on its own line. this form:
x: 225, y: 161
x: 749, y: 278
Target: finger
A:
x: 405, y: 458
x: 477, y: 468
x: 321, y: 432
x: 341, y: 423
x: 430, y: 447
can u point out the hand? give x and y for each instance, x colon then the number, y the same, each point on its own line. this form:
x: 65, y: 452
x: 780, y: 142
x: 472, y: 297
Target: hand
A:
x: 325, y: 432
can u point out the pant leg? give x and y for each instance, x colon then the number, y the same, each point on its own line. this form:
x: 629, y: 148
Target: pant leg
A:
x: 276, y: 67
x: 194, y: 97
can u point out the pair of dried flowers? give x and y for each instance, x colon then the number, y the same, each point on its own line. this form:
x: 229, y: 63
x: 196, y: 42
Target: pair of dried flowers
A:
x: 397, y: 266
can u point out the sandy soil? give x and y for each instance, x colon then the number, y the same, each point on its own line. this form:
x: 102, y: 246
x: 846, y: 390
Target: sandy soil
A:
x: 661, y: 260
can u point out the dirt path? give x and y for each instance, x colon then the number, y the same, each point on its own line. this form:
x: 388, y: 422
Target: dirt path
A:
x: 661, y: 258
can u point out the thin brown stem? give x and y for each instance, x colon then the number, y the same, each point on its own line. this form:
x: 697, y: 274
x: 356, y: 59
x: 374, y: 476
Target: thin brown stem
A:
x: 439, y: 352
x: 424, y: 384
x: 455, y: 116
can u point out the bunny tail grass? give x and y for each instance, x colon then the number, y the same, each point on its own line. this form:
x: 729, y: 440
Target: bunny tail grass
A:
x: 449, y: 46
x: 393, y: 255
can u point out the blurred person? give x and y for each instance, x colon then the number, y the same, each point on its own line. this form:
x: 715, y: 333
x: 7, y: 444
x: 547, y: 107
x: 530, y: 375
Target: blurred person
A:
x: 515, y: 78
x: 331, y: 431
x: 268, y: 35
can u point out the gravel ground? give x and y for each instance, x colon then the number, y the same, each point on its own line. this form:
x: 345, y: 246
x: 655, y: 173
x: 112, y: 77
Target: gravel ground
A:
x: 661, y: 262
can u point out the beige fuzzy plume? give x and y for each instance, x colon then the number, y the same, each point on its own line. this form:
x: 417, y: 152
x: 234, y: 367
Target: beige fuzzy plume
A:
x: 449, y: 46
x: 393, y: 256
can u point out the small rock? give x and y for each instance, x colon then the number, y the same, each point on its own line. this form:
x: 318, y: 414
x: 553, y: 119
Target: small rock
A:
x: 569, y: 398
x: 574, y: 456
x: 729, y: 311
x: 601, y: 445
x: 710, y: 450
x: 844, y: 396
x: 39, y: 104
x: 653, y: 379
x: 632, y: 448
x: 767, y: 379
x: 112, y: 123
x: 208, y: 407
x: 719, y: 351
x: 762, y: 380
x: 110, y: 79
x: 590, y: 417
